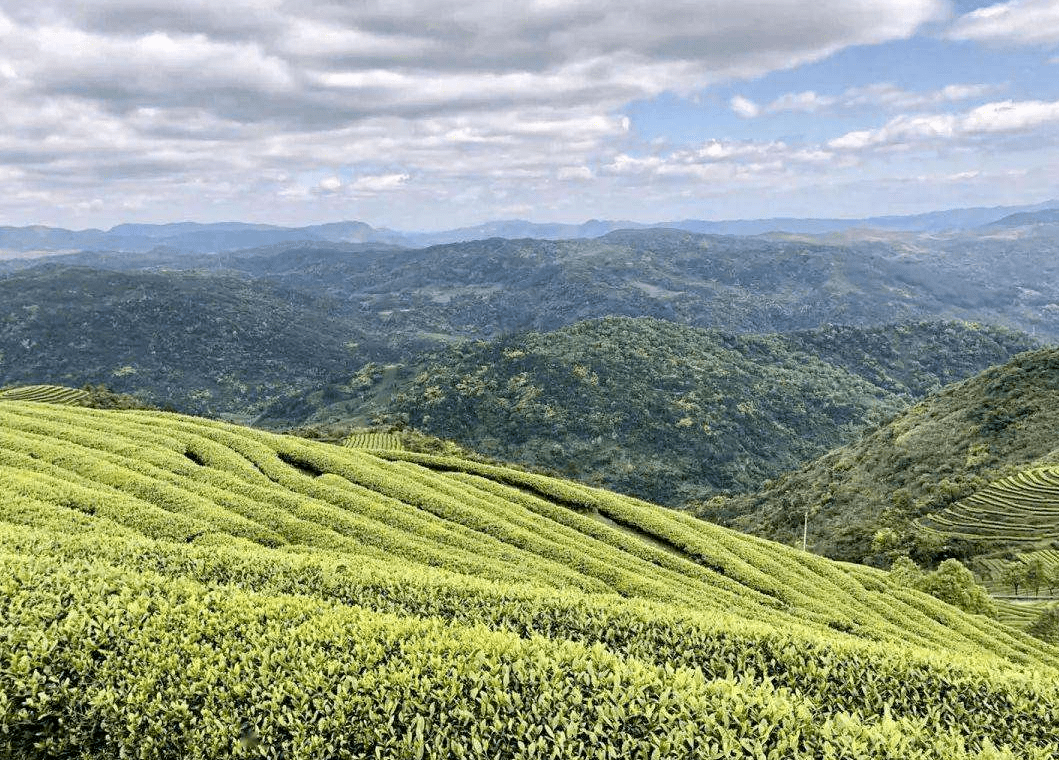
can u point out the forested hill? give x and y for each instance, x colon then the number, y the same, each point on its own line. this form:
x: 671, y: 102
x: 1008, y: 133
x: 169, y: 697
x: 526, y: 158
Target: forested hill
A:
x: 482, y: 288
x: 226, y: 333
x: 943, y: 449
x: 195, y: 341
x: 660, y: 410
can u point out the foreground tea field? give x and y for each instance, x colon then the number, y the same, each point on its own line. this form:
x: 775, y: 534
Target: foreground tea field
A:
x: 172, y: 587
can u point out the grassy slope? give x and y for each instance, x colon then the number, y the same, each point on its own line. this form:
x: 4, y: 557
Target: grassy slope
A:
x: 942, y: 450
x: 185, y: 588
x: 663, y: 411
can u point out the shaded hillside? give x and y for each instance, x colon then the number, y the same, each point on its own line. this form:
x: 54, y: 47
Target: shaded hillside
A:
x: 483, y: 288
x: 660, y: 410
x: 186, y: 589
x: 201, y: 342
x: 943, y: 449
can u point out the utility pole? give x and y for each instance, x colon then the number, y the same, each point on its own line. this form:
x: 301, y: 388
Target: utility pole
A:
x: 805, y: 531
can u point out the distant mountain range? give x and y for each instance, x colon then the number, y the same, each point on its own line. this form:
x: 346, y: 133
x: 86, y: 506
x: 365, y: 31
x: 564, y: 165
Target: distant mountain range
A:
x: 230, y: 236
x: 233, y: 332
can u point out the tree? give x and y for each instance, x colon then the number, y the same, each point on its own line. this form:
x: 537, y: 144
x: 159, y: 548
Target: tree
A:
x: 951, y: 583
x: 1046, y: 626
x: 1051, y: 579
x: 905, y: 572
x: 1036, y: 574
x: 888, y: 542
x: 1014, y: 575
x: 955, y: 584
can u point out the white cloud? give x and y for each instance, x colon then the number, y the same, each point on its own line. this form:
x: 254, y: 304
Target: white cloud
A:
x: 880, y: 95
x: 807, y: 102
x: 744, y: 107
x: 1019, y: 22
x: 379, y: 183
x: 574, y: 173
x: 992, y: 118
x: 735, y: 161
x: 1010, y: 116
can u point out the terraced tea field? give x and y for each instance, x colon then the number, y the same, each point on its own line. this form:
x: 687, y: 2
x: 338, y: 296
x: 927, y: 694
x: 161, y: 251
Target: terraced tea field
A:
x: 1023, y: 614
x: 172, y: 587
x: 1020, y: 509
x: 991, y: 569
x: 374, y: 440
x: 51, y: 394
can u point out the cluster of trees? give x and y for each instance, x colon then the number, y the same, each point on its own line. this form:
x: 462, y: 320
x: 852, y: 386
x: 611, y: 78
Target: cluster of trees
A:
x: 951, y: 582
x: 1030, y: 573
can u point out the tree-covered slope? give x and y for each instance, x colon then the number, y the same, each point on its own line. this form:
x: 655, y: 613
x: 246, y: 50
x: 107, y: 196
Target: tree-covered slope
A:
x: 178, y: 588
x: 659, y: 410
x: 248, y: 326
x: 201, y: 342
x: 944, y: 449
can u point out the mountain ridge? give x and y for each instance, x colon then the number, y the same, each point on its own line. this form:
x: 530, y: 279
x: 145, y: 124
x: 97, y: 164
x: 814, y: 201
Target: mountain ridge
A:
x: 211, y: 237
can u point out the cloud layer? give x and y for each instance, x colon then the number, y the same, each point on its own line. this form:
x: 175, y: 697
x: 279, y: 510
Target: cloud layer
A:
x: 876, y: 96
x: 408, y: 112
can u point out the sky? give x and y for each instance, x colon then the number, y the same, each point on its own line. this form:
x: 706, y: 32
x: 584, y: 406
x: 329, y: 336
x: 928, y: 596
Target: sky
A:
x: 419, y: 115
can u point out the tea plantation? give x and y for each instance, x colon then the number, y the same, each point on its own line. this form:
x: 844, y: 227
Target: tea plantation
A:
x: 53, y: 394
x: 1020, y: 509
x: 373, y: 439
x: 172, y: 587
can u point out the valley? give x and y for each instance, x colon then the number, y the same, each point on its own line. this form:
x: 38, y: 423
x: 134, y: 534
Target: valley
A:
x: 666, y: 412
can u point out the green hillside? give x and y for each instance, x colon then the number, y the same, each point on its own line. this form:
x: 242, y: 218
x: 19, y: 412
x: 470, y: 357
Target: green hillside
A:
x: 94, y: 396
x: 374, y: 439
x: 179, y: 588
x: 1014, y: 525
x: 666, y: 412
x: 203, y: 343
x: 229, y: 333
x: 941, y: 451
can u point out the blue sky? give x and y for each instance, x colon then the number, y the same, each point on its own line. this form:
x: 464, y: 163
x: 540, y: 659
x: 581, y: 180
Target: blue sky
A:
x: 425, y: 115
